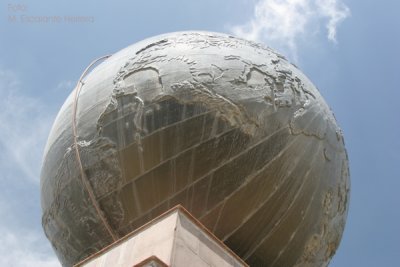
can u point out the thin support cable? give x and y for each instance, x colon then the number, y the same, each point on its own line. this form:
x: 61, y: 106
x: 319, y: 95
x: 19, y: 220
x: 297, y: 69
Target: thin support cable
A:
x: 84, y: 178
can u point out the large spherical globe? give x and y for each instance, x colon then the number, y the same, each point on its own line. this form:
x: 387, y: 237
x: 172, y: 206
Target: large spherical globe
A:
x: 223, y: 126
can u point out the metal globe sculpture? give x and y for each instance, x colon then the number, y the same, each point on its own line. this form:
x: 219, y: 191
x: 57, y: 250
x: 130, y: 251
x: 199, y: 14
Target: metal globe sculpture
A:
x: 223, y: 126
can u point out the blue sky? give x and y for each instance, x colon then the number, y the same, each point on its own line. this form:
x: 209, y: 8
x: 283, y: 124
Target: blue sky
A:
x: 348, y: 48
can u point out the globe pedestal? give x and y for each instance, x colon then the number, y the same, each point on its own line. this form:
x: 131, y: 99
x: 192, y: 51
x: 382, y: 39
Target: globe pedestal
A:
x: 174, y: 239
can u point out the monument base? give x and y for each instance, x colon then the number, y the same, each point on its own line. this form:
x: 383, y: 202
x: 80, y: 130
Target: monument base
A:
x: 174, y: 239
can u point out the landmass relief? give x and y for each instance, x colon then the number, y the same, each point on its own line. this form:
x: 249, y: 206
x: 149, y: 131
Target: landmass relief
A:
x: 225, y: 127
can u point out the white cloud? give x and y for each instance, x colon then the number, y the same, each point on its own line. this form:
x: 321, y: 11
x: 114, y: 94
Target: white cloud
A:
x: 24, y: 126
x: 24, y: 248
x: 281, y: 23
x: 336, y: 12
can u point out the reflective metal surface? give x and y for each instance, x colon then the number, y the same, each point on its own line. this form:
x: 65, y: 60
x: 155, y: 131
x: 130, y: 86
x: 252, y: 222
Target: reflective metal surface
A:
x: 225, y: 127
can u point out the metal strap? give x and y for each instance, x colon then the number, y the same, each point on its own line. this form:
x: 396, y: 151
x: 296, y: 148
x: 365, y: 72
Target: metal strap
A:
x: 84, y: 178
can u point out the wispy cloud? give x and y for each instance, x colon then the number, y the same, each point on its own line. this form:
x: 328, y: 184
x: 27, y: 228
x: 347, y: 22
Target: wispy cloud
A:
x: 22, y: 250
x: 23, y: 247
x: 65, y: 86
x: 336, y: 12
x: 24, y: 126
x: 282, y: 23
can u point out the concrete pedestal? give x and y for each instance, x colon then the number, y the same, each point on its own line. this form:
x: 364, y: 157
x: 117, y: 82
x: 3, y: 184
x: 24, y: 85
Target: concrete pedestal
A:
x: 175, y: 239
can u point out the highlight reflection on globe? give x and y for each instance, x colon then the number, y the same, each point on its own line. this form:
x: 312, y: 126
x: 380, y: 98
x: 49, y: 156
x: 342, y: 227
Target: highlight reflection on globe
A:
x: 223, y: 126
